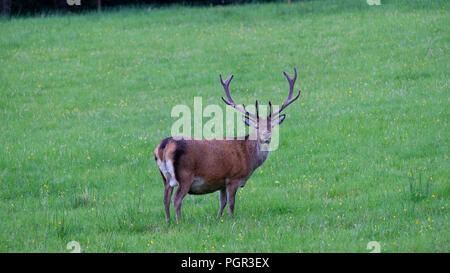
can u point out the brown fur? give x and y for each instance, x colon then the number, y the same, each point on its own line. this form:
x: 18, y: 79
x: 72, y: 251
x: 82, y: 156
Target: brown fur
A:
x: 222, y: 165
x: 200, y: 166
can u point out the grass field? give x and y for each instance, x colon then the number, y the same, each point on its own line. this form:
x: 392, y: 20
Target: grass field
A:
x: 363, y: 156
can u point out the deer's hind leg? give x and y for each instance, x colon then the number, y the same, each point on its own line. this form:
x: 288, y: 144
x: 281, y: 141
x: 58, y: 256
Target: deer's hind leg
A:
x: 167, y: 197
x: 168, y: 189
x: 185, y: 181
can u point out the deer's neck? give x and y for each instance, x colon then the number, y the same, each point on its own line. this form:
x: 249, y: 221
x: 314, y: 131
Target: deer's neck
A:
x: 259, y: 152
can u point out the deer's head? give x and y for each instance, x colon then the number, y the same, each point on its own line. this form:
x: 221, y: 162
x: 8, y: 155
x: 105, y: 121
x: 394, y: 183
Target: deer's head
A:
x: 263, y: 125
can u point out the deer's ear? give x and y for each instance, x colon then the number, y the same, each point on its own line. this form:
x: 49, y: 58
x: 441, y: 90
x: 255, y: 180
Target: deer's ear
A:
x: 278, y: 120
x: 249, y: 122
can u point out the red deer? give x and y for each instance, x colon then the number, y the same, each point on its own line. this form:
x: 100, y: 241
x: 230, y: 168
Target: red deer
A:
x: 200, y: 166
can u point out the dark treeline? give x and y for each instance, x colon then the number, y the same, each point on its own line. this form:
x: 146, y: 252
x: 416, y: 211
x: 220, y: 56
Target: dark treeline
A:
x: 23, y: 7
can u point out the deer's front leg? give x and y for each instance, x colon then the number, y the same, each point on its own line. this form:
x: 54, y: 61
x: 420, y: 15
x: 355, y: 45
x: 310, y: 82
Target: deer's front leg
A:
x: 232, y: 187
x: 223, y: 201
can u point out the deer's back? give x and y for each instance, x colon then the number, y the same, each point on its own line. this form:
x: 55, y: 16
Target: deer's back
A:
x: 211, y: 162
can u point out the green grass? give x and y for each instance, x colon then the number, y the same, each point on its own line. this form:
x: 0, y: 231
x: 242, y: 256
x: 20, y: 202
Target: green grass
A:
x: 363, y: 156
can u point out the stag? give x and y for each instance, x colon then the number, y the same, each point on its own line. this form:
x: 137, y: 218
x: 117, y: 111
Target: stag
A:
x: 201, y: 166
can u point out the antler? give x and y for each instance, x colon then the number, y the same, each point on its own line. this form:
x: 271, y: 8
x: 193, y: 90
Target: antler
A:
x: 231, y: 102
x: 289, y: 99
